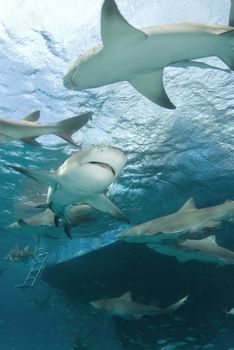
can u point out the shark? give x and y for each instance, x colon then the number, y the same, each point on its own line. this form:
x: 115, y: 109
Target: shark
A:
x: 84, y: 177
x: 204, y: 250
x: 125, y: 307
x: 186, y: 222
x: 140, y: 55
x: 77, y: 214
x: 28, y: 128
x: 20, y: 255
x: 230, y: 312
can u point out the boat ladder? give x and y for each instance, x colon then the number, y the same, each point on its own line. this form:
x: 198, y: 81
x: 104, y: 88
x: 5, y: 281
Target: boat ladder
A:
x: 35, y: 271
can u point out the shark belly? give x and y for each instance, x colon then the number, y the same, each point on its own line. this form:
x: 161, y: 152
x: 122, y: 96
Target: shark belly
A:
x: 166, y: 48
x: 125, y: 62
x: 19, y: 130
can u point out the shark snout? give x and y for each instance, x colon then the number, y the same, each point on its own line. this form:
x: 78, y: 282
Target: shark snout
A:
x: 69, y: 78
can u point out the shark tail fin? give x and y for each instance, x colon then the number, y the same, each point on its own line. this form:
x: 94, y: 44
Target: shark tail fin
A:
x: 172, y: 308
x: 228, y: 53
x: 67, y: 127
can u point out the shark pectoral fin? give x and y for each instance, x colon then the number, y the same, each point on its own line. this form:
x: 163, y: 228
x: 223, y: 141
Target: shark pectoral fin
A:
x: 32, y: 117
x: 212, y: 224
x: 154, y: 247
x: 104, y: 204
x: 227, y: 56
x: 151, y: 86
x: 114, y: 27
x: 42, y: 176
x: 183, y: 259
x: 31, y: 141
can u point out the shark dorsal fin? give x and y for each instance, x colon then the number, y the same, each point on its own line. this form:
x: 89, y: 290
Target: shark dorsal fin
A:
x: 210, y: 239
x: 114, y: 27
x: 127, y: 296
x: 228, y: 201
x: 189, y: 205
x: 32, y: 117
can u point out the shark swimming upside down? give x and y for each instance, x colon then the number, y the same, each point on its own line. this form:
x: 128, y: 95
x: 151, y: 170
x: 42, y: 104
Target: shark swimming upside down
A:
x: 140, y: 55
x: 84, y: 177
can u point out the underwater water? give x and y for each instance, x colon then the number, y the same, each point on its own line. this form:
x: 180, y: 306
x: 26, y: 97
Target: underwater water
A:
x: 172, y: 155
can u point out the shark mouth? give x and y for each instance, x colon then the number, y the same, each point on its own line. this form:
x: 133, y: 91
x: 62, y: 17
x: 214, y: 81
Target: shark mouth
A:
x: 104, y: 165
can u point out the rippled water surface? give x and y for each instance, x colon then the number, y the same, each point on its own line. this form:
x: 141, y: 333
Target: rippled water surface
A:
x: 172, y: 155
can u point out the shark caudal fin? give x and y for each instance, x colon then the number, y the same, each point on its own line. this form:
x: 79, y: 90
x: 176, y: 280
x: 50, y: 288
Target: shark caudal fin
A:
x: 172, y: 308
x: 41, y: 176
x: 66, y: 128
x: 227, y: 55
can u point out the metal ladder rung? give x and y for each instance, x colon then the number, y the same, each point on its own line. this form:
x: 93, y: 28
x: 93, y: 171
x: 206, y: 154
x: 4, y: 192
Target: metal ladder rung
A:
x: 35, y: 271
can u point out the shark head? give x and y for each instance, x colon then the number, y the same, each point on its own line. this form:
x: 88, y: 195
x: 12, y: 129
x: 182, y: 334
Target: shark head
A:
x: 96, y: 168
x: 82, y: 73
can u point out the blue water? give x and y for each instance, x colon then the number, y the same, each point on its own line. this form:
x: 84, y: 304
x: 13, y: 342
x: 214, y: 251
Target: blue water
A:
x: 172, y: 156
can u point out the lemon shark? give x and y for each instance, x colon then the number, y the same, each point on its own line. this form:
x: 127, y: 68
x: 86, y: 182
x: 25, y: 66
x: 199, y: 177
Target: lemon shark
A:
x: 140, y: 55
x: 186, y: 221
x: 83, y: 178
x: 125, y: 307
x: 28, y: 128
x: 20, y: 255
x: 77, y: 214
x: 205, y: 250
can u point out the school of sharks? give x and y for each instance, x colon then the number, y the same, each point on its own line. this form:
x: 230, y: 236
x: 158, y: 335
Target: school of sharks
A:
x: 83, y: 182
